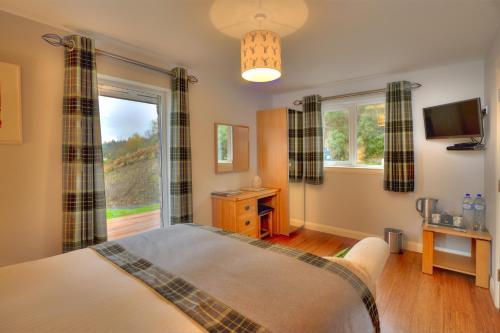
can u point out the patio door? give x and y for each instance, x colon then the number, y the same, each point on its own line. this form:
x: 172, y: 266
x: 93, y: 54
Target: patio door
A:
x: 134, y: 141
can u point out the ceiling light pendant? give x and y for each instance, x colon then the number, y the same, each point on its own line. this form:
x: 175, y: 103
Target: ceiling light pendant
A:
x: 260, y: 56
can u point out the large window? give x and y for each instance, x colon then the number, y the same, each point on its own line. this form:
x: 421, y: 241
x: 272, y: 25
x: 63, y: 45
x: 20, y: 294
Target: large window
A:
x: 134, y: 166
x: 353, y: 134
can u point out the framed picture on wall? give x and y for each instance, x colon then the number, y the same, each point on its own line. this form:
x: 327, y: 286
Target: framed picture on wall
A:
x: 10, y: 104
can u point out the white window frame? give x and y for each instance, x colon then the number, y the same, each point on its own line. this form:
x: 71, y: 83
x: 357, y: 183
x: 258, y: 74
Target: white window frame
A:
x: 352, y: 105
x: 229, y: 145
x: 134, y: 91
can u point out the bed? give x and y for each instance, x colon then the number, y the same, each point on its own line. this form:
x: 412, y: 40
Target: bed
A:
x: 192, y: 278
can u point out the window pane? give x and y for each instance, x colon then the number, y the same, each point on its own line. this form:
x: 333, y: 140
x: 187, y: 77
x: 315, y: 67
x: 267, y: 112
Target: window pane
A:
x: 336, y: 136
x: 224, y: 141
x: 370, y: 134
x: 131, y: 149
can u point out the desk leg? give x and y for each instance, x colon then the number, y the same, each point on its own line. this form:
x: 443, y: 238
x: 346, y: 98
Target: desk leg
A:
x: 271, y: 223
x: 428, y: 252
x: 482, y: 263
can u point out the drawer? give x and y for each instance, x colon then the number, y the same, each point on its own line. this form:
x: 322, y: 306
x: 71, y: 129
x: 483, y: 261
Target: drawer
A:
x: 246, y: 207
x: 246, y: 222
x: 250, y: 233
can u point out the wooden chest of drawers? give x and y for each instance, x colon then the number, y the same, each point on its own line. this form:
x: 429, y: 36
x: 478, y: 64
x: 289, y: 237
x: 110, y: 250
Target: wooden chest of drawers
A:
x: 240, y: 213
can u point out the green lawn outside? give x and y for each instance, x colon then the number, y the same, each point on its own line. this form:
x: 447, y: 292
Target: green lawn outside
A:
x: 114, y: 213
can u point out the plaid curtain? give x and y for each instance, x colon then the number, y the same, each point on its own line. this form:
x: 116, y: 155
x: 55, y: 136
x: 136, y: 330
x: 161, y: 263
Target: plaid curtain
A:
x: 399, y: 170
x: 295, y: 146
x: 181, y: 205
x: 84, y: 202
x: 313, y: 140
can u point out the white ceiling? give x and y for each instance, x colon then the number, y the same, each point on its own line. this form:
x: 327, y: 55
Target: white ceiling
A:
x: 236, y: 18
x: 342, y: 39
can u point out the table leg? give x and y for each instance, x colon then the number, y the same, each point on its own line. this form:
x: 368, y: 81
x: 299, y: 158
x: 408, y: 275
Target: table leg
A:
x: 428, y: 251
x: 482, y: 263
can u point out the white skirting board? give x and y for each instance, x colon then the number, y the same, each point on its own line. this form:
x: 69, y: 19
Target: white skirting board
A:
x: 493, y: 292
x: 407, y: 245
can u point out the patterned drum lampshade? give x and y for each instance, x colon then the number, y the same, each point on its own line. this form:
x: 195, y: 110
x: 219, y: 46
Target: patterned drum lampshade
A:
x: 260, y: 56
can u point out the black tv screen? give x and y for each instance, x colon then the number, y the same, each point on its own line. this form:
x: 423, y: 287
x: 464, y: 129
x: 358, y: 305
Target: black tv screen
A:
x: 454, y: 120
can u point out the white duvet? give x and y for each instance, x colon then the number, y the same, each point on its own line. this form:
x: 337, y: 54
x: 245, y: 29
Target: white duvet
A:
x: 83, y: 292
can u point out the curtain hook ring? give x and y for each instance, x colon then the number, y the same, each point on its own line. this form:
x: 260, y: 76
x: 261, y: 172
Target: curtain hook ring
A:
x: 70, y: 44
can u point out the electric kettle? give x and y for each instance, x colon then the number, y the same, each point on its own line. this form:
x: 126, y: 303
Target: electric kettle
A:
x: 426, y: 206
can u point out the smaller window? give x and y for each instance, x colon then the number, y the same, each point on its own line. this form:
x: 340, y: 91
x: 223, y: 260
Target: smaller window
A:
x: 225, y: 141
x: 353, y: 134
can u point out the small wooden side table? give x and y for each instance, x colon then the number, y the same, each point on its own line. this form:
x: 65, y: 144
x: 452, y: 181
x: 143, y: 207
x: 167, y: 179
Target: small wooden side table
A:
x: 478, y: 264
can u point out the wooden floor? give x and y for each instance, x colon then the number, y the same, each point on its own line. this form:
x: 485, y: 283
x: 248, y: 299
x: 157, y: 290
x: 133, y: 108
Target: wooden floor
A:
x: 410, y: 301
x: 133, y: 224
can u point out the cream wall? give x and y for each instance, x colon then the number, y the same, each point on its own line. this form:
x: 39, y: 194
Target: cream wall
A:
x: 355, y: 204
x: 492, y: 161
x: 30, y: 174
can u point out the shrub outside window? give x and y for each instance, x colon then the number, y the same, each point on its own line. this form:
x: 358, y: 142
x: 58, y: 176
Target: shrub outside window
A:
x: 353, y: 134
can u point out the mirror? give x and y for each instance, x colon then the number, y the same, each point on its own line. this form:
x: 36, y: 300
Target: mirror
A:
x: 231, y: 148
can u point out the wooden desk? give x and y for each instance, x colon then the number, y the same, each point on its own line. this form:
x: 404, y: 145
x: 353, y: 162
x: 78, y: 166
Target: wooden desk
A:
x: 239, y: 213
x: 478, y: 264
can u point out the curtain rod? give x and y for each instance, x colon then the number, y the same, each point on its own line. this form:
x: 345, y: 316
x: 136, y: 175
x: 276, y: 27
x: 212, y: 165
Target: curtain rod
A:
x: 358, y: 93
x: 56, y: 40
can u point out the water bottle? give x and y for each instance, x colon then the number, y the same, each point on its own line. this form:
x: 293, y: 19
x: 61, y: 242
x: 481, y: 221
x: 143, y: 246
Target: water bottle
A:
x: 468, y: 211
x: 479, y: 213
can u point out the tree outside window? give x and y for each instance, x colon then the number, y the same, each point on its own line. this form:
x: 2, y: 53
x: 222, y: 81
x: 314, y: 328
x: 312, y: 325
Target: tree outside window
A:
x: 354, y: 134
x: 336, y: 135
x: 370, y: 134
x: 225, y: 143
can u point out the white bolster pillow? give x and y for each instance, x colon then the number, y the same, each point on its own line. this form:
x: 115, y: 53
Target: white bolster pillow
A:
x: 369, y: 254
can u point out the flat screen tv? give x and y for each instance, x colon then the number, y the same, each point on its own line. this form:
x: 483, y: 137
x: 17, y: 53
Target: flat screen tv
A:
x: 454, y: 120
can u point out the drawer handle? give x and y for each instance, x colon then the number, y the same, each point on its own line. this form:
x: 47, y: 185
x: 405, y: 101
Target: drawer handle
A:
x: 247, y: 223
x: 247, y: 207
